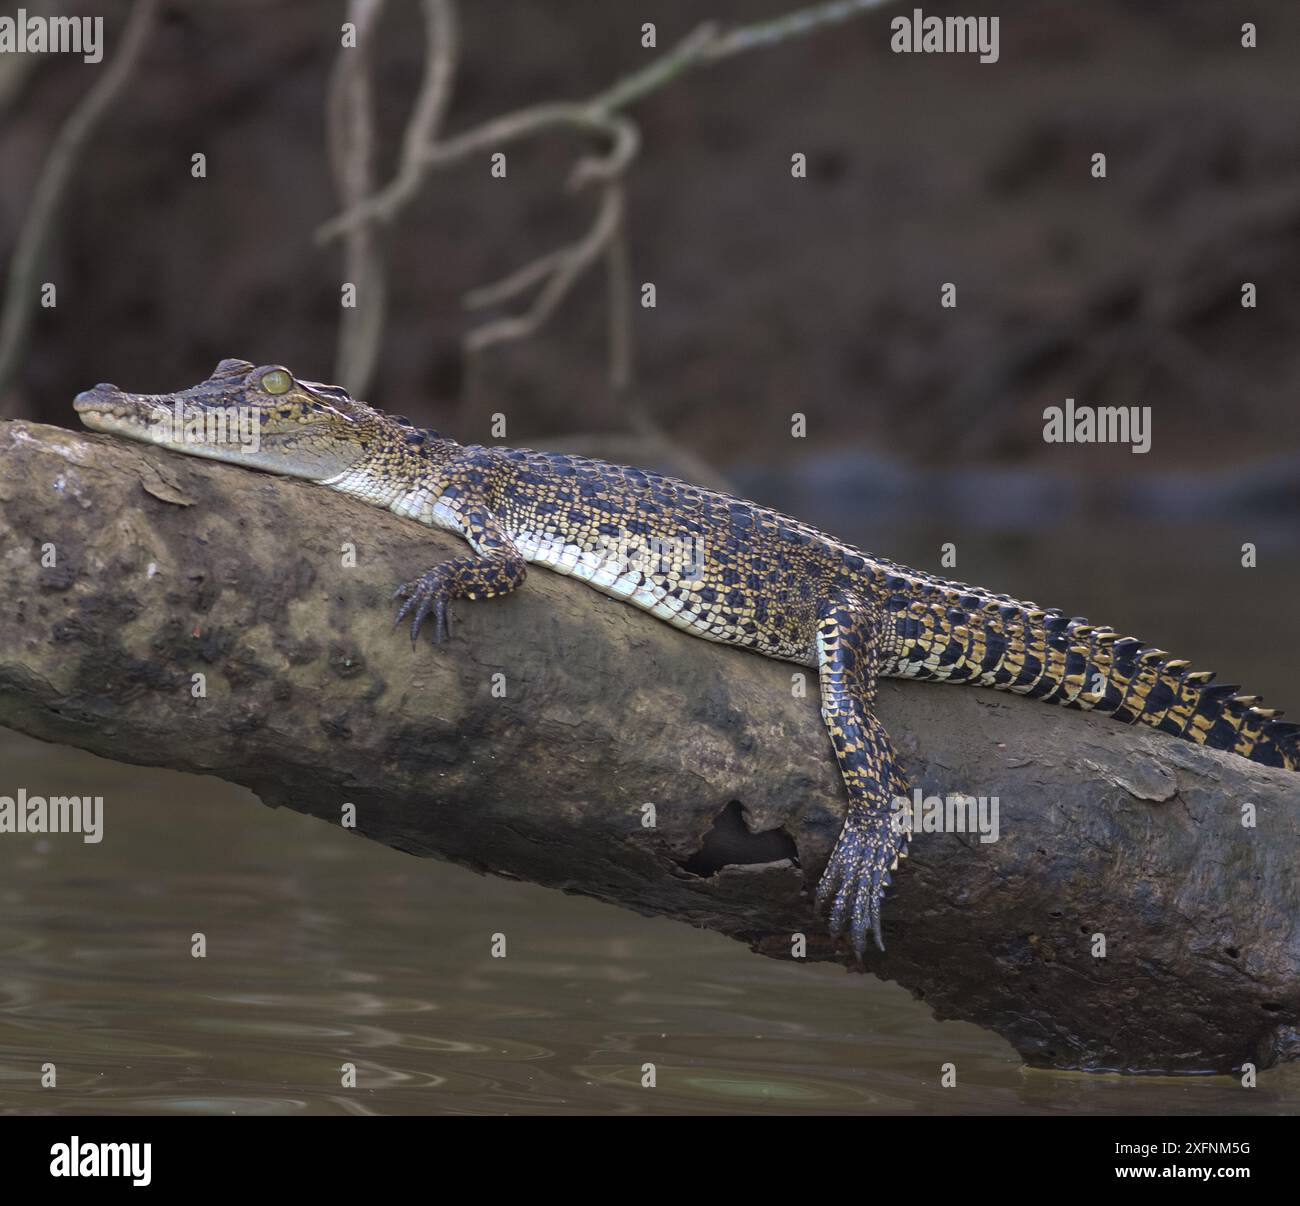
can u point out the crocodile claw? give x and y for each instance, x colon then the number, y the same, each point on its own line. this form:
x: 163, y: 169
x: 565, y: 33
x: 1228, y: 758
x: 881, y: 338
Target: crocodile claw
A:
x: 423, y: 595
x: 854, y: 882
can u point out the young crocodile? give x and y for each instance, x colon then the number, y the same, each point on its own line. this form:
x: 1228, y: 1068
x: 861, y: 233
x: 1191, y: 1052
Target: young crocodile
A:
x: 754, y: 578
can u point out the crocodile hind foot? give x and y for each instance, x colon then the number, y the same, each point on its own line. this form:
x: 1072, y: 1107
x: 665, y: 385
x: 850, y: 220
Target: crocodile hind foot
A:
x: 860, y: 869
x: 875, y: 832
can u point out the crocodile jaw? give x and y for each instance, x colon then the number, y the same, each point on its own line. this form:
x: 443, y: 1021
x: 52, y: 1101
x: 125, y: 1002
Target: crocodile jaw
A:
x: 233, y: 434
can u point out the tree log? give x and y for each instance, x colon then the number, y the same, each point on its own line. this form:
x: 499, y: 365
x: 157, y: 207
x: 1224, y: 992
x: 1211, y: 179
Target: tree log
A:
x: 530, y: 745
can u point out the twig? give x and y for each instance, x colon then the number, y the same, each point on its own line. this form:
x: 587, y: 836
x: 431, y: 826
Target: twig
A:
x: 442, y: 49
x: 685, y: 55
x: 705, y: 45
x: 792, y: 25
x: 556, y: 271
x: 385, y: 205
x: 618, y: 274
x: 15, y: 69
x: 29, y: 252
x: 565, y: 267
x: 351, y: 143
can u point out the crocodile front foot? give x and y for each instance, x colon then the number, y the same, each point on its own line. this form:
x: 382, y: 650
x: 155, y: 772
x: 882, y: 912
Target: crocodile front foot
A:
x: 479, y: 576
x: 422, y: 595
x: 860, y: 869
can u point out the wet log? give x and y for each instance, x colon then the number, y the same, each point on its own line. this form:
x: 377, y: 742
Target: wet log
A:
x: 1136, y: 911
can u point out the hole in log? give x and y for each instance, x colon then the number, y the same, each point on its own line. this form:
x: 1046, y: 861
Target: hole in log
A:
x: 730, y: 843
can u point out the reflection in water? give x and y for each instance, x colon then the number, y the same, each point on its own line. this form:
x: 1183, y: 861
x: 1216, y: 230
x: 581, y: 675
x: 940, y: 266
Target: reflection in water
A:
x: 325, y: 950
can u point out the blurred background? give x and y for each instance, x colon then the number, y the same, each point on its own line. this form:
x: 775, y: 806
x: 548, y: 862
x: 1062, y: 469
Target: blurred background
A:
x: 774, y: 295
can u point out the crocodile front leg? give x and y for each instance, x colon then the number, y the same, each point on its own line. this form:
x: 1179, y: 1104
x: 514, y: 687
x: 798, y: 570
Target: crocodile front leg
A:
x: 873, y: 839
x: 495, y: 569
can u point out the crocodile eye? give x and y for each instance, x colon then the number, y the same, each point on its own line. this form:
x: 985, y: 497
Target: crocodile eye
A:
x: 276, y: 381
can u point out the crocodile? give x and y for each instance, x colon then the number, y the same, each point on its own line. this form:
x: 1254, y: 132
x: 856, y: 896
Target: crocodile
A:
x: 715, y: 566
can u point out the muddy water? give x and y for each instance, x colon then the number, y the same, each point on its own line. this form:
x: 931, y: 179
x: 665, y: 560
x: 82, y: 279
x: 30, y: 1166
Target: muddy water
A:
x: 324, y: 949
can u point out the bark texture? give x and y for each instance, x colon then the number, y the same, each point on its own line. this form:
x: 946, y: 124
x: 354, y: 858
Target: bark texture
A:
x: 531, y: 744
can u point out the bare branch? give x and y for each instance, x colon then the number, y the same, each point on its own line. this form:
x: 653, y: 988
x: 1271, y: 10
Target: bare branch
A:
x: 517, y: 282
x: 618, y: 275
x: 706, y: 44
x: 792, y: 25
x: 686, y: 54
x: 442, y: 50
x: 384, y: 205
x: 33, y: 238
x: 351, y: 147
x: 566, y: 264
x: 558, y: 270
x: 625, y: 141
x: 564, y: 268
x: 351, y: 143
x: 16, y: 69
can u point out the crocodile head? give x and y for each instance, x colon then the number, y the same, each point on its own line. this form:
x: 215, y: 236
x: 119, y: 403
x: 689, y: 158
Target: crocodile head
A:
x: 263, y: 418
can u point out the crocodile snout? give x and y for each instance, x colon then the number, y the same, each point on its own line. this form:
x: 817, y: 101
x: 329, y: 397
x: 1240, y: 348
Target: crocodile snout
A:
x: 88, y: 399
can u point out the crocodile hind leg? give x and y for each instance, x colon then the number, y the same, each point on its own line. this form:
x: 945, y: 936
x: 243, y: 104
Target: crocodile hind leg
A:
x: 496, y: 568
x: 873, y: 838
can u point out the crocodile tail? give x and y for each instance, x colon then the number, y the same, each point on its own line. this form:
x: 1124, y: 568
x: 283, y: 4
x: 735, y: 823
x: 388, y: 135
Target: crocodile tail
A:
x: 950, y: 631
x: 1139, y: 684
x: 1278, y: 745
